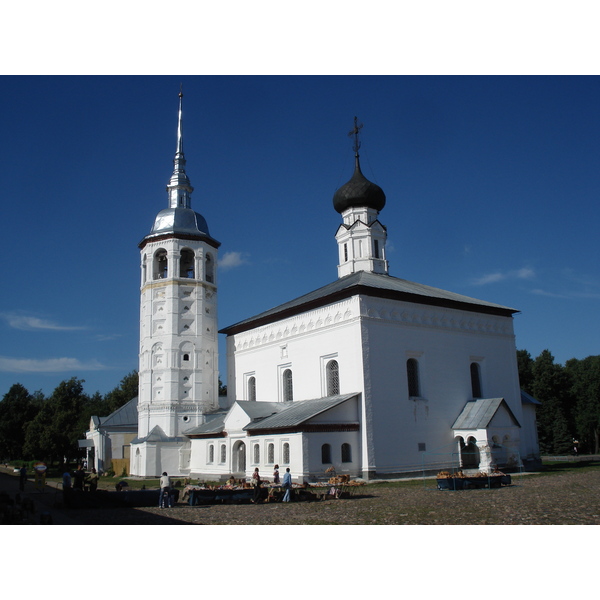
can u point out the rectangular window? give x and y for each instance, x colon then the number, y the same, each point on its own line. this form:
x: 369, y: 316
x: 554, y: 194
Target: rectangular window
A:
x: 422, y: 447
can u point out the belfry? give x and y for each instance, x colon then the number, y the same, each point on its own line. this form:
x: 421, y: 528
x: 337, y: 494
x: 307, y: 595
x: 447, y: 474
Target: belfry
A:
x: 178, y: 355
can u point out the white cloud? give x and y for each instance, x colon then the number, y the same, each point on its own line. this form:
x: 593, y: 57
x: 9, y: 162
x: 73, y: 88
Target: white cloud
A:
x: 230, y: 260
x: 48, y: 365
x: 568, y: 295
x: 490, y: 278
x: 31, y: 323
x: 108, y: 337
x: 524, y: 273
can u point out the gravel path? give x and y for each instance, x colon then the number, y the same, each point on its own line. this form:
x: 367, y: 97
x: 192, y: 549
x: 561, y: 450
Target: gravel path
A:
x: 570, y: 498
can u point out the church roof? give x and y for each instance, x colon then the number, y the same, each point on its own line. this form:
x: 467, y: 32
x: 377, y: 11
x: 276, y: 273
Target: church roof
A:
x: 527, y: 399
x: 124, y: 417
x: 370, y: 284
x: 156, y: 435
x: 214, y: 426
x: 296, y: 413
x: 179, y: 220
x: 261, y: 410
x: 477, y: 414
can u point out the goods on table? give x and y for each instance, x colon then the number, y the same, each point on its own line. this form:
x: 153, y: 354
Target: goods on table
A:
x: 459, y: 481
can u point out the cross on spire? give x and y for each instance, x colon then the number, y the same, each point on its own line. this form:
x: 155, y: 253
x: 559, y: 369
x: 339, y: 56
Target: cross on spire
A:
x: 354, y: 133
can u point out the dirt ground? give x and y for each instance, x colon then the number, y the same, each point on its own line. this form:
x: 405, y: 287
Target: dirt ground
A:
x: 566, y: 498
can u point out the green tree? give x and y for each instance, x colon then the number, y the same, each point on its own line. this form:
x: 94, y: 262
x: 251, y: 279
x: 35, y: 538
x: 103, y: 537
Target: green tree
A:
x: 551, y: 386
x: 91, y: 406
x: 585, y: 389
x: 17, y: 409
x: 525, y: 366
x: 54, y: 432
x: 122, y: 394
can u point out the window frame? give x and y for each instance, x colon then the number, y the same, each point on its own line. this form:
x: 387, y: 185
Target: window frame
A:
x: 475, y: 372
x: 413, y: 377
x: 346, y: 450
x: 287, y: 385
x: 326, y: 454
x: 332, y: 377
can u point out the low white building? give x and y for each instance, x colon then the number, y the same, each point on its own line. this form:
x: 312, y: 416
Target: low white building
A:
x: 110, y: 437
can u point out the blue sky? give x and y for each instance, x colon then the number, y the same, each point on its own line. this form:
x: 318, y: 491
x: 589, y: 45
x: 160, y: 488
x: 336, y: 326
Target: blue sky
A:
x: 492, y: 186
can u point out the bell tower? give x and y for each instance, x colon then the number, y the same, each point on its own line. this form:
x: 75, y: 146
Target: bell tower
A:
x: 178, y: 355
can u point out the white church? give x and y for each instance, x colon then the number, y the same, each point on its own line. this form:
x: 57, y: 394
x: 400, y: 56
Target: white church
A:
x: 372, y: 375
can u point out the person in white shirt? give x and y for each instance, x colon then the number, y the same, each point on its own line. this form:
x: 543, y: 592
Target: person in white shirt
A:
x: 165, y: 487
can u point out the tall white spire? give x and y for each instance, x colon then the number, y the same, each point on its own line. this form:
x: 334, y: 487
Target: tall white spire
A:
x: 179, y: 187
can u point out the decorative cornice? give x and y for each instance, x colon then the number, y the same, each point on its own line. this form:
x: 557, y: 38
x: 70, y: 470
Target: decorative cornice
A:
x: 179, y: 236
x: 388, y: 311
x: 306, y: 323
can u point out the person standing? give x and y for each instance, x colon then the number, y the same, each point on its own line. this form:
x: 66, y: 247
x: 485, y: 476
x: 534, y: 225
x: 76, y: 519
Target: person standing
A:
x: 287, y: 484
x: 276, y: 479
x: 256, y: 482
x: 92, y: 480
x: 66, y: 483
x: 79, y: 478
x: 165, y: 488
x: 22, y: 478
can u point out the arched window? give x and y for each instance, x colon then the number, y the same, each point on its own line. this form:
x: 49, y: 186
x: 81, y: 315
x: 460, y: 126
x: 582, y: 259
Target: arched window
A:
x: 333, y: 378
x: 346, y: 453
x: 288, y: 386
x: 186, y: 264
x: 223, y: 453
x: 160, y: 268
x: 256, y: 454
x: 144, y: 274
x: 209, y: 269
x: 271, y: 454
x: 286, y: 454
x: 252, y: 389
x: 326, y: 454
x: 475, y: 380
x: 211, y: 453
x: 412, y: 372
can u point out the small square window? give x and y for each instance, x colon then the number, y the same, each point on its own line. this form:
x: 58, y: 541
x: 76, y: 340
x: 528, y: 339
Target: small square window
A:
x: 422, y: 447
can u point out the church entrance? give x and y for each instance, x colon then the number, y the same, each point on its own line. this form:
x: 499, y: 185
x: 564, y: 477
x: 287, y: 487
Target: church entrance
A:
x: 239, y: 457
x: 469, y: 453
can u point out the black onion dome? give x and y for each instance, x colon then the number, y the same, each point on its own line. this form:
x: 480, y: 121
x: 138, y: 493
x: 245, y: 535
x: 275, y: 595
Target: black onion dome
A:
x: 359, y: 192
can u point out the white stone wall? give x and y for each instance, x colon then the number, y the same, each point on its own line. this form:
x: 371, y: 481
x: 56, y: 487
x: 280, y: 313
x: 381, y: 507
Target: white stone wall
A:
x: 444, y: 342
x: 303, y: 344
x: 372, y: 338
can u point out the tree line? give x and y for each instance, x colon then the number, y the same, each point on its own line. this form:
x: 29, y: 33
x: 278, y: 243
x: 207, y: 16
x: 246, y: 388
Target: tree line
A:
x: 33, y: 427
x: 569, y: 415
